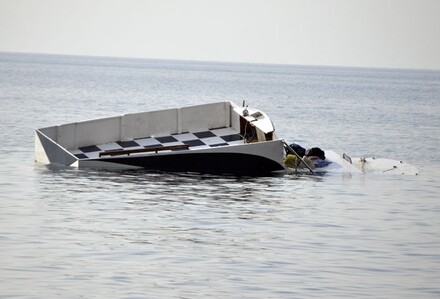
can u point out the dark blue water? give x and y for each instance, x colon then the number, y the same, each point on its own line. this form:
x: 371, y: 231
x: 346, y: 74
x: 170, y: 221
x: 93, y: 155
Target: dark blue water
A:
x: 76, y: 233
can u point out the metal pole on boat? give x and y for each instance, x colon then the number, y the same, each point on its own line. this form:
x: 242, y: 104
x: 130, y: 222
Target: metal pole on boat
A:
x: 296, y: 154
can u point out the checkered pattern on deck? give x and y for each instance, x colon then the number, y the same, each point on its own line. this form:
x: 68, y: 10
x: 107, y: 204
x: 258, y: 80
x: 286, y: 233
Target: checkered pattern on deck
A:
x: 196, y: 140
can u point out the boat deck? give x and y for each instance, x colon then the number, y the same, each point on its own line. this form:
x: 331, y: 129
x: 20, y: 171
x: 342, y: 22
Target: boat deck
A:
x: 194, y: 140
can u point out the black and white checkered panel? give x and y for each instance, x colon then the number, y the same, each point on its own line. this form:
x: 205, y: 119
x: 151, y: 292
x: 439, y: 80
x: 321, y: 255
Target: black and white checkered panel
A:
x: 197, y: 140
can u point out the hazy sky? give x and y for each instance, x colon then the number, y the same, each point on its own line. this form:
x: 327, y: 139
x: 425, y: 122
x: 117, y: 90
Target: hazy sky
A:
x: 372, y: 33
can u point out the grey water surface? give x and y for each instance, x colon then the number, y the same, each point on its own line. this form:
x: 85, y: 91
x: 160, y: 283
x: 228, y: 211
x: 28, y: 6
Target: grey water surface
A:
x: 69, y: 233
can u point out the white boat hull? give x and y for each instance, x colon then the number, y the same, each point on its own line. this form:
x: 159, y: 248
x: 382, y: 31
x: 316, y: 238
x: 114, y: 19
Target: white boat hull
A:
x: 363, y: 165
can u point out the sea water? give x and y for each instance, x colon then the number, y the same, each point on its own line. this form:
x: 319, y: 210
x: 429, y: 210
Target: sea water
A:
x: 69, y: 233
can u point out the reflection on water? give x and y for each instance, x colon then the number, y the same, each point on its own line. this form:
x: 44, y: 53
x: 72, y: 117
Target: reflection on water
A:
x: 133, y: 233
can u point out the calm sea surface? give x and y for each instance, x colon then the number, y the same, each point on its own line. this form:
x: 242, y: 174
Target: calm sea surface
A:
x: 69, y: 233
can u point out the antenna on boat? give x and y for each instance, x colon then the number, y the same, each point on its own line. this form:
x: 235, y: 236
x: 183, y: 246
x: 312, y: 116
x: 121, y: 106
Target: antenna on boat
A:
x: 245, y: 111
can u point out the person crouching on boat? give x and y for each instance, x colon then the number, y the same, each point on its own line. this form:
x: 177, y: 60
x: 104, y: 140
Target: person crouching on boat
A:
x: 313, y: 157
x: 316, y: 156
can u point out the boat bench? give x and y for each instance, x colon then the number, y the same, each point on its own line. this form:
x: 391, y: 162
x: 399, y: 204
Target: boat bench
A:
x: 144, y: 150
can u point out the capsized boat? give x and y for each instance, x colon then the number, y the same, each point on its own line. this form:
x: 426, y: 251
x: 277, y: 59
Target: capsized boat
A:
x: 218, y: 137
